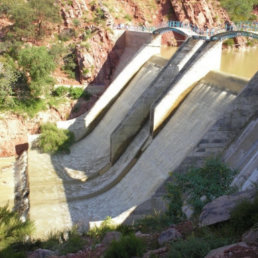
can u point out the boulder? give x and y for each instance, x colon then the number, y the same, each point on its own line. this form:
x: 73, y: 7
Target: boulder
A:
x: 251, y: 237
x: 185, y: 227
x: 234, y: 251
x: 111, y: 236
x: 154, y: 253
x: 41, y: 253
x: 170, y: 234
x: 219, y: 209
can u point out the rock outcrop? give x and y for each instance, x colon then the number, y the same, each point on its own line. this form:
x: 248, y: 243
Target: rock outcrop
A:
x: 203, y: 14
x: 219, y: 209
x: 234, y: 251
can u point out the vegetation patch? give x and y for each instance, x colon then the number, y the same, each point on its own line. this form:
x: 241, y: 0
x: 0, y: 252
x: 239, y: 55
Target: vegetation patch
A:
x: 127, y: 247
x: 53, y: 140
x: 12, y: 230
x: 244, y: 215
x: 197, y: 245
x: 198, y: 186
x: 72, y: 92
x: 239, y: 10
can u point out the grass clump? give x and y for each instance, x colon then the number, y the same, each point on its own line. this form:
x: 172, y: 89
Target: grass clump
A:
x: 128, y: 246
x: 53, y: 140
x: 244, y: 215
x: 97, y: 233
x: 72, y: 92
x: 197, y: 245
x: 153, y: 223
x: 63, y: 243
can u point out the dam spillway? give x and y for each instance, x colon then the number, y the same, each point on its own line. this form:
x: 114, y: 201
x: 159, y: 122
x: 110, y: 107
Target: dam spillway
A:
x: 85, y: 186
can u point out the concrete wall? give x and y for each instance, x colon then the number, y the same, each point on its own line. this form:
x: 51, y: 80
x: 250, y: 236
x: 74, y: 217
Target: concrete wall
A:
x: 85, y: 123
x: 139, y: 113
x: 205, y: 59
x: 220, y: 138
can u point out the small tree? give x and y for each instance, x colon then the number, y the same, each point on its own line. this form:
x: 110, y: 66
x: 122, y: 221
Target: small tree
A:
x: 7, y: 78
x: 45, y: 11
x: 37, y: 63
x: 239, y: 10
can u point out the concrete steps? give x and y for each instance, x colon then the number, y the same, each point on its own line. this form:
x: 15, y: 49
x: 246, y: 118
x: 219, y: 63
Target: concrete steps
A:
x: 242, y: 155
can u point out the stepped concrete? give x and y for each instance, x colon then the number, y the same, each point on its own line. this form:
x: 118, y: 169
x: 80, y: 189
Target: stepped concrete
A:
x: 205, y: 59
x: 242, y: 155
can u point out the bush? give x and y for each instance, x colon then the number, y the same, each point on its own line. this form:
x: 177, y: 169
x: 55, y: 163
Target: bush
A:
x: 211, y: 181
x: 154, y: 222
x: 63, y: 243
x: 76, y: 93
x: 127, y: 247
x: 12, y: 229
x: 97, y: 233
x: 244, y: 215
x: 54, y: 140
x: 70, y: 64
x: 196, y: 246
x: 61, y: 91
x: 38, y: 63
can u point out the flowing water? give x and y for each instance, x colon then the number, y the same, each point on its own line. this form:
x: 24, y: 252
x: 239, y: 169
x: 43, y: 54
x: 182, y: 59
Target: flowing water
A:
x: 240, y: 63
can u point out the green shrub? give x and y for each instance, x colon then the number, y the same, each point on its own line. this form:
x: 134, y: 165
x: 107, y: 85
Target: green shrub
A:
x: 126, y: 247
x: 63, y: 243
x: 196, y: 246
x: 12, y: 229
x: 54, y: 140
x: 76, y: 22
x: 244, y: 215
x: 28, y: 106
x: 239, y: 10
x: 66, y: 34
x: 38, y: 63
x: 212, y: 180
x: 70, y: 64
x: 61, y: 91
x: 154, y: 222
x: 97, y: 233
x: 57, y: 51
x: 76, y: 93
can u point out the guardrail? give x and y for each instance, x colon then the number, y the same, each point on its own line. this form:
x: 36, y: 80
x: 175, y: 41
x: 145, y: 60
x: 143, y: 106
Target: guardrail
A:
x: 205, y: 31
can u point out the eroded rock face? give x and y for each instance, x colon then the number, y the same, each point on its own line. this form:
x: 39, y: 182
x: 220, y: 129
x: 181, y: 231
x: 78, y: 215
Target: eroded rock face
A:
x: 200, y: 13
x: 73, y: 10
x: 13, y: 137
x: 203, y: 14
x: 219, y: 209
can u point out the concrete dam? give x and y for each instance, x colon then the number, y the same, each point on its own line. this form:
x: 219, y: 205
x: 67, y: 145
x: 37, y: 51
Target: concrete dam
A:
x: 149, y: 122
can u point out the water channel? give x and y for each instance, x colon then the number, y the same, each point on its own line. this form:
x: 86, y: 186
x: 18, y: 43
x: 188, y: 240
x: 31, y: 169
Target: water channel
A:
x: 237, y: 62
